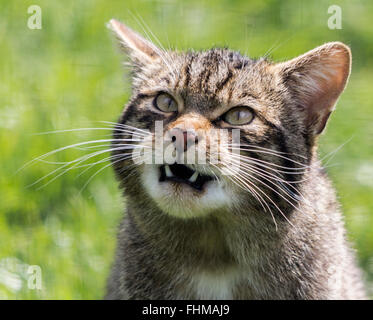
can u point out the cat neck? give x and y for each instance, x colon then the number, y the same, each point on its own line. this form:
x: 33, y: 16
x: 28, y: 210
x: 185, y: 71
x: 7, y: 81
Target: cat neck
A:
x: 224, y: 234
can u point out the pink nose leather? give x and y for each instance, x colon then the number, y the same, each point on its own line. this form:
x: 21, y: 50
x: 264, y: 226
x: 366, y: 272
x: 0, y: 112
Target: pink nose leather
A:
x: 183, y: 139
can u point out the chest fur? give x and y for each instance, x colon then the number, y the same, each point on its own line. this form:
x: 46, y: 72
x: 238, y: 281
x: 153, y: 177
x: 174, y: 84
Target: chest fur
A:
x: 221, y: 285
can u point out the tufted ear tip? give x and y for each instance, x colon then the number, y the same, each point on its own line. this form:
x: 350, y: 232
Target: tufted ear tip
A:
x: 140, y: 50
x: 110, y: 25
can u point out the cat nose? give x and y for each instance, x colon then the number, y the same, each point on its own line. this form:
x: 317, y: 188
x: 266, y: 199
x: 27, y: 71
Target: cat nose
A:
x: 183, y: 139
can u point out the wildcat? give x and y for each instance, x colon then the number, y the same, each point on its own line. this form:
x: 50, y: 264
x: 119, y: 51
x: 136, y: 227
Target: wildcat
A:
x: 271, y: 230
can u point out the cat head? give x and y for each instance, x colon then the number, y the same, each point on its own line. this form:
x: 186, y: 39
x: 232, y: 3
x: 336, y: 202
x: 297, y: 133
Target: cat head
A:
x: 277, y: 111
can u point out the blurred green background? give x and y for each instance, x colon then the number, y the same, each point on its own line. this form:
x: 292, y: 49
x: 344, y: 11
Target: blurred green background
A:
x: 69, y: 75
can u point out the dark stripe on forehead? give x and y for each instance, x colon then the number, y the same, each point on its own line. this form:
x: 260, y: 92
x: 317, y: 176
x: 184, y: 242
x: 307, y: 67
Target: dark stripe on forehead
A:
x: 221, y: 84
x: 230, y: 93
x: 165, y: 79
x: 246, y: 94
x: 204, y: 80
x: 187, y: 68
x: 240, y: 64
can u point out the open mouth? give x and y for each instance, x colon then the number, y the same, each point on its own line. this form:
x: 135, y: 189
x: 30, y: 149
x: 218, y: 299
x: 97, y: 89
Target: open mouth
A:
x: 183, y: 174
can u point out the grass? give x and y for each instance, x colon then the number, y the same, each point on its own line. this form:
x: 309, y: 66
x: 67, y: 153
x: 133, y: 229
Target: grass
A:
x: 68, y: 75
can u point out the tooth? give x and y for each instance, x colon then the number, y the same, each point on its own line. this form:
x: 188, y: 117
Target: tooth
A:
x: 168, y: 171
x: 194, y: 177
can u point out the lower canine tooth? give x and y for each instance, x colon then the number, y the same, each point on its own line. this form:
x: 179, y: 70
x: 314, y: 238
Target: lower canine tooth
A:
x: 194, y: 177
x: 168, y: 171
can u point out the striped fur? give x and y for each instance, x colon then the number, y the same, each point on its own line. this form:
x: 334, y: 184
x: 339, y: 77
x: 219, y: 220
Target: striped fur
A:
x: 235, y: 250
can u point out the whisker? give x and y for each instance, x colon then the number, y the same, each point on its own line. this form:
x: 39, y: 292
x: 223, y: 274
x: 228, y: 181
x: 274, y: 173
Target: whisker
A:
x: 263, y: 148
x: 267, y: 164
x: 282, y: 182
x: 112, y: 157
x: 272, y: 189
x: 91, y: 165
x: 160, y: 52
x: 125, y: 126
x: 256, y: 194
x: 77, y: 161
x: 260, y: 170
x: 247, y: 187
x: 97, y: 172
x: 65, y: 171
x: 135, y: 134
x: 245, y: 177
x: 65, y: 148
x: 332, y: 153
x: 259, y: 166
x: 274, y: 154
x: 69, y: 130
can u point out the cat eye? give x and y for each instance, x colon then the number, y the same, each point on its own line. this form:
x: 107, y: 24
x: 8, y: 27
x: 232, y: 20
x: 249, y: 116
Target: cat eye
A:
x: 239, y: 116
x: 165, y: 102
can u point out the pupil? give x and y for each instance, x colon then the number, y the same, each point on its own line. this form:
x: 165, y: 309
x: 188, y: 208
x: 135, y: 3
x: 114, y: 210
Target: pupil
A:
x: 238, y: 115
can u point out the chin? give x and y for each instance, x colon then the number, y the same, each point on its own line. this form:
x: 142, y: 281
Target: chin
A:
x: 183, y: 192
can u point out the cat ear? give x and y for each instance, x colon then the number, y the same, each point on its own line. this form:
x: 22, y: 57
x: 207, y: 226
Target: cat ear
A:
x: 316, y: 80
x: 140, y: 50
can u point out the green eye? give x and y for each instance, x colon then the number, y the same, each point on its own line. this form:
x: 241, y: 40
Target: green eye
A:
x: 165, y: 102
x: 239, y: 116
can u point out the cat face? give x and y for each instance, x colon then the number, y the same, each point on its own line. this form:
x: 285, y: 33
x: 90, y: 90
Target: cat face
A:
x: 201, y: 101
